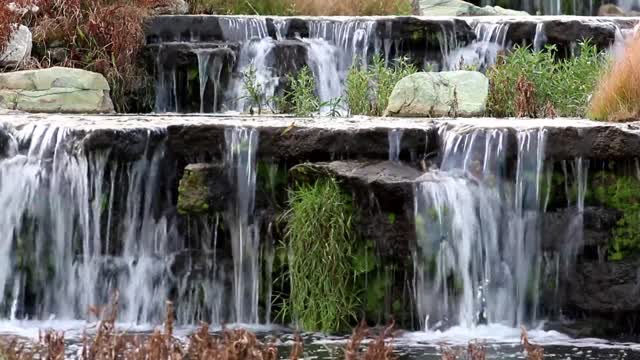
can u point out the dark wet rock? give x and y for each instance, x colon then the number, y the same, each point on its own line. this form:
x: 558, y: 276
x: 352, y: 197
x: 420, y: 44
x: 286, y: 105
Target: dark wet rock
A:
x: 559, y: 227
x: 203, y: 189
x: 605, y: 287
x: 300, y: 144
x: 126, y: 145
x: 598, y: 143
x: 383, y: 192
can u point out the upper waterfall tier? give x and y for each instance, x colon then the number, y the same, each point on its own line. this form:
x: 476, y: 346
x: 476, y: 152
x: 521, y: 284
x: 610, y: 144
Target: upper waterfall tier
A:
x: 200, y: 60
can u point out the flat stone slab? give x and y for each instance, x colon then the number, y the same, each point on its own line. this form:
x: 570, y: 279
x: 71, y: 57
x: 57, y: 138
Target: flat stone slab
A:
x: 325, y: 138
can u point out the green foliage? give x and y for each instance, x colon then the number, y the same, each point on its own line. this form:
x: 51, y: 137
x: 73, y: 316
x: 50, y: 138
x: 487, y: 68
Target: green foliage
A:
x: 367, y: 90
x: 622, y: 193
x: 565, y: 85
x: 302, y: 93
x: 322, y: 258
x: 254, y: 90
x: 241, y: 7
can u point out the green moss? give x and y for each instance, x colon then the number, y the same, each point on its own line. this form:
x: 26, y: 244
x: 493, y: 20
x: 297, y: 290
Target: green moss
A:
x: 622, y: 193
x: 193, y: 193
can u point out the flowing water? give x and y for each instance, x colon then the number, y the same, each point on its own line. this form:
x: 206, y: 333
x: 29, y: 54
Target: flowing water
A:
x: 478, y: 242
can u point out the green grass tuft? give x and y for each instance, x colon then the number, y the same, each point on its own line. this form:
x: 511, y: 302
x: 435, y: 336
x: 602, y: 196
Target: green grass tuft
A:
x: 321, y: 252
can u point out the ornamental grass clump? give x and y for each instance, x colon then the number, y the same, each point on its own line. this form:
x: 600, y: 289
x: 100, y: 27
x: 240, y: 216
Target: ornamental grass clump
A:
x: 617, y: 97
x: 320, y: 244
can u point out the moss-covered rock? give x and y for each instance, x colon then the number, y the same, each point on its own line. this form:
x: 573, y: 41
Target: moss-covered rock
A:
x: 202, y: 189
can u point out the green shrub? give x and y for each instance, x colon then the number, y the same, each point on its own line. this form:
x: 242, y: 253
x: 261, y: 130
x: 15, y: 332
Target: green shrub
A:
x: 301, y: 95
x: 321, y: 252
x: 622, y: 193
x: 367, y: 91
x: 558, y: 87
x: 255, y: 94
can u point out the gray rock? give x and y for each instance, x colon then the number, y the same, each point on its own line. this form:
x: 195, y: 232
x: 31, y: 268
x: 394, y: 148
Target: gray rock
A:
x: 19, y: 47
x: 610, y: 287
x: 172, y: 7
x: 463, y: 8
x: 55, y: 90
x: 434, y: 94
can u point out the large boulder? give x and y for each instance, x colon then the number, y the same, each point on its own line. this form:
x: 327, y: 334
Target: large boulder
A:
x: 435, y: 94
x: 19, y: 47
x: 463, y: 8
x: 55, y: 90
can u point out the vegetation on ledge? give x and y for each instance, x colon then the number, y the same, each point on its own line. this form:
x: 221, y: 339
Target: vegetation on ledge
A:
x: 528, y: 83
x: 622, y: 193
x: 301, y: 7
x: 320, y: 245
x: 618, y: 96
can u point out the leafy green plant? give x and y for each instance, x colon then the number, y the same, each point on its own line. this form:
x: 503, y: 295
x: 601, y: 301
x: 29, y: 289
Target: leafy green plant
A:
x: 301, y: 7
x: 555, y: 87
x: 255, y: 94
x: 368, y: 90
x: 622, y: 193
x: 321, y: 257
x: 301, y: 94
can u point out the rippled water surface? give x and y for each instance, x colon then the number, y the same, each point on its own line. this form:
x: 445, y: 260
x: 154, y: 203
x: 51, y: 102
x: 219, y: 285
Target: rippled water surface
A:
x: 501, y: 342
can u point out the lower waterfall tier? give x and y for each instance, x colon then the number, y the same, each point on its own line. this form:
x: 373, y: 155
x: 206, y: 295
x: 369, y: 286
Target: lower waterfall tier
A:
x: 432, y: 222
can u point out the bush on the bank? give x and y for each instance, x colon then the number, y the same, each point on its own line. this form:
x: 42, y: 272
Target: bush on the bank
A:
x: 367, y: 90
x: 618, y: 96
x: 534, y: 84
x: 105, y: 36
x: 302, y: 7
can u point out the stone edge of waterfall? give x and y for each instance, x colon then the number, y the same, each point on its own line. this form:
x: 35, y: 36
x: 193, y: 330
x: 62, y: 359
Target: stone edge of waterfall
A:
x: 125, y: 121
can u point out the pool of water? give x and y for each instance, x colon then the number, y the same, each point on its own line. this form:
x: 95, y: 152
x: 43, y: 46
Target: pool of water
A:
x: 501, y: 342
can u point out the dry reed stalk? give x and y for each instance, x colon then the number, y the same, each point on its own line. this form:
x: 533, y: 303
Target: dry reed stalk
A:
x: 533, y: 352
x: 617, y: 97
x: 352, y: 350
x: 449, y: 353
x: 525, y: 100
x: 297, y: 351
x: 379, y: 349
x: 476, y: 351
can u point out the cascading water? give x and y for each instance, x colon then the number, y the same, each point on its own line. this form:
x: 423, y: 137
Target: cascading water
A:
x: 64, y: 216
x: 241, y: 150
x: 395, y: 139
x: 491, y: 38
x: 478, y: 243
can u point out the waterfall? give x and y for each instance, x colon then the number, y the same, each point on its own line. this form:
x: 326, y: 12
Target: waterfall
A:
x: 491, y: 38
x: 241, y: 148
x: 395, y: 139
x: 63, y: 215
x: 478, y: 248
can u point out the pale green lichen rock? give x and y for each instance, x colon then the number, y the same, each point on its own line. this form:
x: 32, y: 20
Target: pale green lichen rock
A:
x: 463, y: 8
x: 436, y: 94
x: 55, y: 90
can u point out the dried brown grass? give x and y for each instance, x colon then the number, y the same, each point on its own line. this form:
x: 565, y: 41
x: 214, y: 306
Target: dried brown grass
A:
x: 617, y: 97
x: 533, y: 352
x: 378, y: 349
